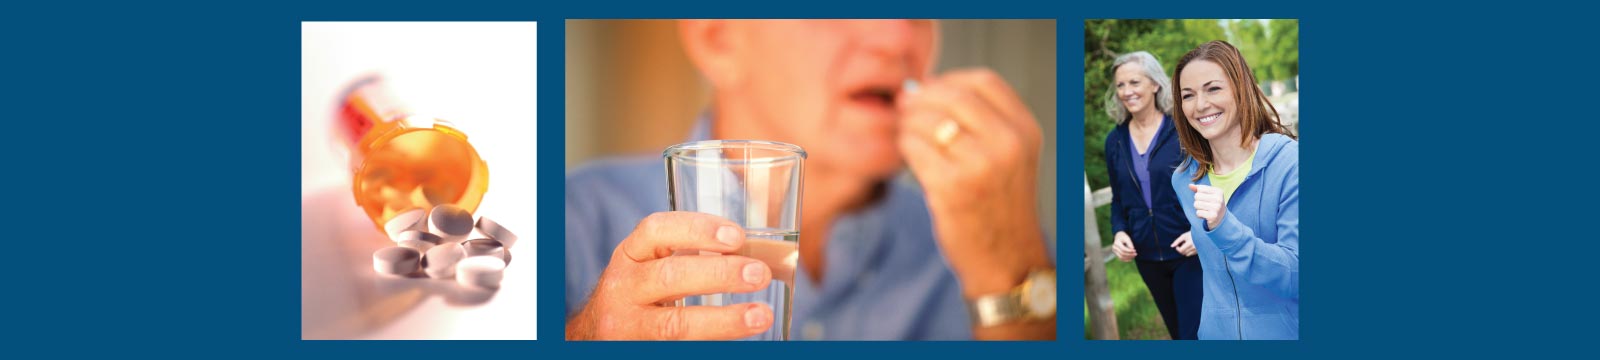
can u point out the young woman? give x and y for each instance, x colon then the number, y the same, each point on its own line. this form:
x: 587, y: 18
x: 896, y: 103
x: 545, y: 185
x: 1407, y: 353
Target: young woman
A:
x: 1240, y: 188
x: 1149, y: 224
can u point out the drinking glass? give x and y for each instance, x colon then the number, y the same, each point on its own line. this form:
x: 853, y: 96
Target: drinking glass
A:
x: 755, y: 184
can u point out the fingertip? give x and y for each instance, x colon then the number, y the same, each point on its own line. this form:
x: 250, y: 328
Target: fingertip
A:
x: 730, y: 236
x: 756, y: 274
x: 758, y: 317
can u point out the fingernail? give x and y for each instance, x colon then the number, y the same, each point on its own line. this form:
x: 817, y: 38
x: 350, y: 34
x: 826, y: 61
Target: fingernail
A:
x: 727, y: 235
x: 754, y: 273
x: 753, y: 318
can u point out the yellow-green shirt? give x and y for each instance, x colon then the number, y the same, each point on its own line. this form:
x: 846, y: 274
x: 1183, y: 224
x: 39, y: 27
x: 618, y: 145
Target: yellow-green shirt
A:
x: 1230, y: 181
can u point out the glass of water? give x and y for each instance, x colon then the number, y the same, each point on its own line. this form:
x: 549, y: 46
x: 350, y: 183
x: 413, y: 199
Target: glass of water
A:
x: 757, y: 185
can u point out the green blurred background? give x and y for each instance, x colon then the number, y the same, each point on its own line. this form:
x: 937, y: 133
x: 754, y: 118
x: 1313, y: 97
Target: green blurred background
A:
x: 1272, y: 50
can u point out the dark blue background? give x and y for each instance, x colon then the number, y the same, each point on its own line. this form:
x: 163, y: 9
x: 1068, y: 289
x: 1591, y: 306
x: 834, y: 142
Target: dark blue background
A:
x: 150, y: 172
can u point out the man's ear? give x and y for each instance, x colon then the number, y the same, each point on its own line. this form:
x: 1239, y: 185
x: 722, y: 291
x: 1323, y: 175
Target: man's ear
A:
x: 709, y: 44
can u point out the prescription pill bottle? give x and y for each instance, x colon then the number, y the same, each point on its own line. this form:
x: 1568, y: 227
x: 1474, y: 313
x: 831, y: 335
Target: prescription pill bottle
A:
x: 400, y: 160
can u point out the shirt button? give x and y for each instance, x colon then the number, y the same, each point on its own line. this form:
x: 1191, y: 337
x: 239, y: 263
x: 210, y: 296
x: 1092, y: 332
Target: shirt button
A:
x: 811, y: 331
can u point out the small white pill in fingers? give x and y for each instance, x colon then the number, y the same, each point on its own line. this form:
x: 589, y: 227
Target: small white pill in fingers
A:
x: 487, y: 247
x: 440, y: 261
x: 449, y: 221
x: 396, y: 260
x: 480, y: 271
x: 492, y: 229
x: 414, y: 219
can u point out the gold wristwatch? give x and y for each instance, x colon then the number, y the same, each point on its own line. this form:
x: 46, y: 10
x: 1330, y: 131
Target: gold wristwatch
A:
x: 1035, y: 299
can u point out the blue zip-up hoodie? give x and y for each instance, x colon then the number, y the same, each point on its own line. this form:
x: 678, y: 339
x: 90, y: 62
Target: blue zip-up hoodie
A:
x: 1252, y: 259
x: 1152, y: 228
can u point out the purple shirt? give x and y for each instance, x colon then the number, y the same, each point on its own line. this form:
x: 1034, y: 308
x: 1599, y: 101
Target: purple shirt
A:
x: 1141, y: 164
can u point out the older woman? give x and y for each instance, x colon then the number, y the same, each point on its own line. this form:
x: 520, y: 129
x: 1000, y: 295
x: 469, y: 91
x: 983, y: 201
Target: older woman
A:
x: 1240, y: 189
x: 1149, y: 224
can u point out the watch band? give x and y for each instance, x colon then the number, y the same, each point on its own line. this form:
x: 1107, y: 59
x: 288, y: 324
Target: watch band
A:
x: 997, y: 309
x: 1016, y: 304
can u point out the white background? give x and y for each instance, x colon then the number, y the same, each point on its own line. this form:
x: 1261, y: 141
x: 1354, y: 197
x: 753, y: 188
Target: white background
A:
x: 481, y: 77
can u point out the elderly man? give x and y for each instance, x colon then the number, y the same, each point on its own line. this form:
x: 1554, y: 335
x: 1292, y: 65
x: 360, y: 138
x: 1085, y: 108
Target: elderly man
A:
x: 962, y: 256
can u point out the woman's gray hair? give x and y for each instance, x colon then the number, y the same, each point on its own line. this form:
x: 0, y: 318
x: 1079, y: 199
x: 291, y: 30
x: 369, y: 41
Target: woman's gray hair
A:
x: 1152, y: 69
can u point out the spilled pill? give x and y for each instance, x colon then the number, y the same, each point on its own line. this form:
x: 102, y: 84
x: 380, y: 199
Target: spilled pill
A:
x: 480, y: 271
x: 419, y: 236
x: 450, y: 222
x: 417, y: 240
x: 415, y: 244
x: 414, y: 219
x: 396, y: 260
x: 440, y: 261
x: 494, y: 230
x: 486, y: 247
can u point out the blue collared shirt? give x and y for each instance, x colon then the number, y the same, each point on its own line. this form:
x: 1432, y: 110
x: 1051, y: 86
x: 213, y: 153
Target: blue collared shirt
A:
x: 887, y: 279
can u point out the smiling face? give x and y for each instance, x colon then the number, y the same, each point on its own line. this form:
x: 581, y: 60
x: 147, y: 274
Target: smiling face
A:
x: 1135, y: 90
x: 1207, y: 99
x: 826, y: 85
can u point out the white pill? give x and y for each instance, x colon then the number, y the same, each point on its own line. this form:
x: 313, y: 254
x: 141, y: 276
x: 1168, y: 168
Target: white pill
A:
x: 414, y: 219
x: 440, y: 261
x: 450, y: 222
x: 396, y: 260
x: 486, y: 247
x: 423, y: 236
x: 496, y: 231
x: 480, y: 271
x: 415, y: 244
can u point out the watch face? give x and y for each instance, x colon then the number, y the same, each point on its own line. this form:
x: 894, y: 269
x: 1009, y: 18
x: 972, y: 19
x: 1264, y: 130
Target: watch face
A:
x: 1042, y: 295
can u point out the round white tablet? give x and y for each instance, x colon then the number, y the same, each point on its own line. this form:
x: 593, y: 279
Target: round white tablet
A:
x: 414, y: 219
x: 450, y: 222
x: 486, y: 247
x: 396, y: 260
x: 480, y: 271
x: 420, y: 245
x: 413, y: 235
x: 496, y: 231
x: 440, y: 261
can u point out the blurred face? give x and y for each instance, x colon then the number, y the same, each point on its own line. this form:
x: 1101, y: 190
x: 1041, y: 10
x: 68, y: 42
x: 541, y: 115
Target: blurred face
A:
x: 829, y: 86
x: 1134, y: 89
x: 1207, y: 98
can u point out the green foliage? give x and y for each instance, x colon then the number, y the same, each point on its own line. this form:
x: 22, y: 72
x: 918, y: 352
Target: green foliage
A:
x: 1271, y: 49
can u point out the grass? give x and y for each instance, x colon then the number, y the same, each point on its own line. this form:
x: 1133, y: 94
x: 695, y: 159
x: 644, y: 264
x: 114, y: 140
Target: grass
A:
x: 1137, y: 316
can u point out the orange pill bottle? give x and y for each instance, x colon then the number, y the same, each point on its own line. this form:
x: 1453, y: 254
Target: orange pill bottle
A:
x: 400, y: 160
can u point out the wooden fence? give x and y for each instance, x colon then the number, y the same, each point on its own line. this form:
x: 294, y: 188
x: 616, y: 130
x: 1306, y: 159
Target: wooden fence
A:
x: 1102, y: 312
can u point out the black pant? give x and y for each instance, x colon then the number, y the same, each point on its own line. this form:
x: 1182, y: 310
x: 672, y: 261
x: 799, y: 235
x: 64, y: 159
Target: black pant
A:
x: 1176, y: 286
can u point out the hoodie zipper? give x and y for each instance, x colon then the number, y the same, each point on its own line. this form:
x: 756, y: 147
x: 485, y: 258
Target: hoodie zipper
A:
x: 1238, y: 303
x: 1149, y: 213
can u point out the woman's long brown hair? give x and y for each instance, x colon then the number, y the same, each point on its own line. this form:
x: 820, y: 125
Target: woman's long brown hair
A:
x: 1256, y: 115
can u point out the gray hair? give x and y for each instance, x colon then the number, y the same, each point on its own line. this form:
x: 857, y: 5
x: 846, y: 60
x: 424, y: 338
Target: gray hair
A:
x: 1152, y: 69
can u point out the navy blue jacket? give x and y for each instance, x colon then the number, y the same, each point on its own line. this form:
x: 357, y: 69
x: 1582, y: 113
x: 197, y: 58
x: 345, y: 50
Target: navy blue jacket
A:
x: 1152, y: 229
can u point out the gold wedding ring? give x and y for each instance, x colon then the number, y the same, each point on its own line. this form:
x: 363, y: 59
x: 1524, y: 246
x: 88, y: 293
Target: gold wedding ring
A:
x: 946, y: 132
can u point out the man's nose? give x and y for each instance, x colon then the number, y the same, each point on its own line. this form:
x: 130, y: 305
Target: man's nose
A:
x: 888, y: 36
